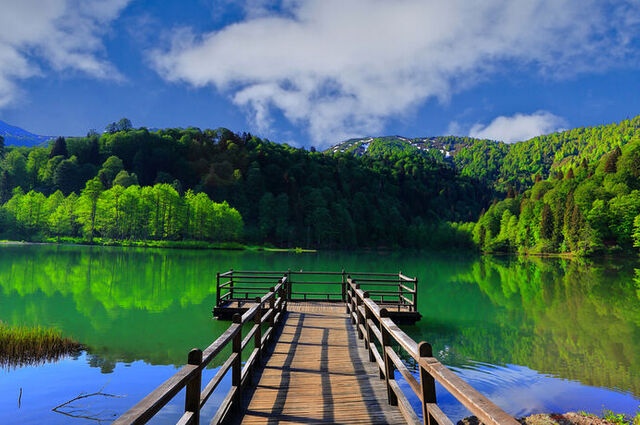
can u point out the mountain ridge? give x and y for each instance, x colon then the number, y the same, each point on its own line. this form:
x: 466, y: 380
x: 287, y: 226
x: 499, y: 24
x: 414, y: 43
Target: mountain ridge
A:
x: 17, y: 136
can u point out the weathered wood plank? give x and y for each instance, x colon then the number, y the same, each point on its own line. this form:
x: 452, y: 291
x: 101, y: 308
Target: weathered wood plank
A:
x: 318, y: 372
x: 479, y: 405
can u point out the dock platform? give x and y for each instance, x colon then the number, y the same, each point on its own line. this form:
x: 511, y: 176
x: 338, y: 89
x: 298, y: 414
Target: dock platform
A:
x: 317, y: 373
x: 293, y: 359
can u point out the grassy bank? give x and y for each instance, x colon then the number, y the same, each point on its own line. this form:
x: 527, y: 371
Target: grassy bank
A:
x: 159, y: 244
x: 22, y: 346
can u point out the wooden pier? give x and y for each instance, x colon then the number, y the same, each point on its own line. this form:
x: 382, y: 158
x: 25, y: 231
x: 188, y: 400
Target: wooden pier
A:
x: 317, y: 361
x: 236, y: 290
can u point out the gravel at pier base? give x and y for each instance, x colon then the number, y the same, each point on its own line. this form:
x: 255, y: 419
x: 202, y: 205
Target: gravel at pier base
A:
x: 569, y: 418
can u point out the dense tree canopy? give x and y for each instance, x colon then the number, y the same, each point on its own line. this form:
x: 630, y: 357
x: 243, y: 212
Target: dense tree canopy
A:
x: 591, y: 208
x: 286, y: 196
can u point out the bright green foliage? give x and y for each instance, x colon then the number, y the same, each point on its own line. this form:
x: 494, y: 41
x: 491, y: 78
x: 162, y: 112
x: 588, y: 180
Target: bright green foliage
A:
x: 133, y: 213
x: 285, y: 196
x: 597, y: 209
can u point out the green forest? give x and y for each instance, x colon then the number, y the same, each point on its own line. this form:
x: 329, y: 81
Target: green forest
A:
x: 590, y: 208
x: 574, y: 191
x: 285, y: 196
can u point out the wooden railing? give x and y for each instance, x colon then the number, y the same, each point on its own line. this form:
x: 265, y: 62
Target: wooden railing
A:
x: 268, y: 309
x: 376, y: 329
x: 389, y: 289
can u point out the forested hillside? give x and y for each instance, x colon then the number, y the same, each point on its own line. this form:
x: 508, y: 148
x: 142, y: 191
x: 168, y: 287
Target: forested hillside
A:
x: 503, y: 165
x: 285, y: 196
x: 586, y: 208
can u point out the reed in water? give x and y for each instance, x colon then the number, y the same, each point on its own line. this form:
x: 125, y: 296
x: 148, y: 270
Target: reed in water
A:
x: 23, y: 345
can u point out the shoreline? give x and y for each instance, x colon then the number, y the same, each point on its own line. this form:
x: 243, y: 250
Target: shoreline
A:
x: 197, y: 245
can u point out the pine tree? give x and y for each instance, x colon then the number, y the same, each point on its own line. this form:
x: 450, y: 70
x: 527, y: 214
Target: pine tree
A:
x: 610, y: 165
x: 59, y: 148
x: 569, y: 175
x: 546, y: 222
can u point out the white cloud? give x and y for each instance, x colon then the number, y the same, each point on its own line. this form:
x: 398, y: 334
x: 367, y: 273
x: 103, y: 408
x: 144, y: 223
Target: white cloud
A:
x: 341, y: 68
x: 518, y: 127
x: 64, y: 34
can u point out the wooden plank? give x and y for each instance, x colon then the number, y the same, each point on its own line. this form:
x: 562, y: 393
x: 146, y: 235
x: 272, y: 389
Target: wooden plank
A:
x: 319, y: 373
x: 378, y: 358
x: 408, y: 376
x: 249, y: 335
x: 479, y: 405
x: 218, y: 345
x: 217, y: 378
x: 438, y: 415
x: 225, y: 406
x: 187, y: 419
x: 375, y: 330
x: 146, y: 408
x: 404, y: 405
x: 398, y: 335
x: 407, y: 278
x: 406, y: 288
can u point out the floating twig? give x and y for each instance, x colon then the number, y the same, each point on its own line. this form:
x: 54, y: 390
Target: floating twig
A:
x: 82, y: 413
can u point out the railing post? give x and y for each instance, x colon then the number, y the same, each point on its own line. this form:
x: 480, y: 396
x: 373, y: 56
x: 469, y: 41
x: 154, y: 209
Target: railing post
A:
x: 388, y: 364
x: 354, y: 297
x: 359, y: 316
x: 427, y: 384
x: 218, y: 289
x: 236, y: 368
x: 289, y: 289
x: 368, y: 316
x: 344, y: 287
x: 415, y: 294
x: 231, y: 284
x: 272, y: 304
x: 257, y: 339
x: 400, y: 299
x: 283, y: 295
x: 347, y: 300
x: 192, y: 397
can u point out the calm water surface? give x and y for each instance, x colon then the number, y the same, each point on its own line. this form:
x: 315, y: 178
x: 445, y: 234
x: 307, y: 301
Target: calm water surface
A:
x: 534, y: 335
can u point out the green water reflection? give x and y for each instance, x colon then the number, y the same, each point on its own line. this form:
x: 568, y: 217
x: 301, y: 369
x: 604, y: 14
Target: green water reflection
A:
x: 571, y: 319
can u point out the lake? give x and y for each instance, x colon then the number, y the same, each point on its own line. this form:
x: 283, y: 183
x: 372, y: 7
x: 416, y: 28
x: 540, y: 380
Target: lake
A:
x: 532, y: 334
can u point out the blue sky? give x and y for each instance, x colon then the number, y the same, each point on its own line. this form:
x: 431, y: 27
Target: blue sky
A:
x: 314, y: 72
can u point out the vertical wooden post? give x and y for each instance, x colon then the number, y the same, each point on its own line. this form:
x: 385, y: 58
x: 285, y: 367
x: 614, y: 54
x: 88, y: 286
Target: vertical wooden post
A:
x: 272, y: 304
x: 367, y: 317
x: 400, y: 299
x: 415, y: 294
x: 360, y: 320
x: 257, y: 339
x: 388, y: 364
x: 282, y: 294
x: 192, y: 397
x: 218, y: 289
x: 231, y: 284
x: 348, y: 295
x: 354, y: 297
x: 236, y: 367
x: 427, y: 384
x: 344, y: 287
x: 289, y: 289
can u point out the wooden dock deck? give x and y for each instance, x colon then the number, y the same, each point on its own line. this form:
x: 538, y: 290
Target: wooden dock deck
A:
x: 316, y: 360
x: 317, y: 373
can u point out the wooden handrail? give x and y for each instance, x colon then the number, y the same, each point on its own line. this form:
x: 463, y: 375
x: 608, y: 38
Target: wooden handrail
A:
x: 395, y: 289
x: 431, y: 369
x: 190, y: 375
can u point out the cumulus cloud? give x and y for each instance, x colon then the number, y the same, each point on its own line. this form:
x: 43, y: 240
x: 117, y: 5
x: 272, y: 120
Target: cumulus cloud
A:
x: 519, y: 127
x: 341, y: 68
x: 64, y: 34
